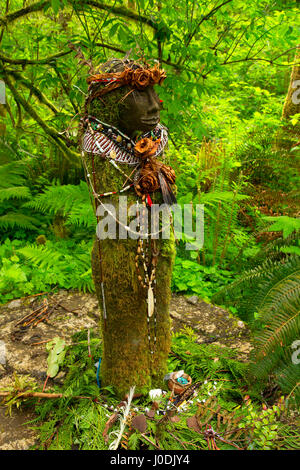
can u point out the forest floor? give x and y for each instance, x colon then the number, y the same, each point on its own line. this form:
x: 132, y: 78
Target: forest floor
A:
x: 21, y: 354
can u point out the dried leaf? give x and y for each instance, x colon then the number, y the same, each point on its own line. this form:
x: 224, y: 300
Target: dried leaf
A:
x: 108, y: 425
x: 192, y: 423
x: 174, y: 419
x: 150, y: 413
x: 139, y: 422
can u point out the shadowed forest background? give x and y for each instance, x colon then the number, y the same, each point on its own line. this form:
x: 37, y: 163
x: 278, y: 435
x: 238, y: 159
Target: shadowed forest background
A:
x: 232, y: 107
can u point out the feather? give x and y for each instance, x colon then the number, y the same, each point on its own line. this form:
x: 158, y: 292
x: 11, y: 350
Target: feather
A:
x: 115, y: 444
x: 167, y: 193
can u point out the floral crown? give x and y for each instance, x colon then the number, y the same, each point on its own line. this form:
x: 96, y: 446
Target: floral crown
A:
x: 137, y: 76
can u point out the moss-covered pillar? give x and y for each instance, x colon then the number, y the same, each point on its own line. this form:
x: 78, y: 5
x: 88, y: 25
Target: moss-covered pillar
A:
x: 135, y: 346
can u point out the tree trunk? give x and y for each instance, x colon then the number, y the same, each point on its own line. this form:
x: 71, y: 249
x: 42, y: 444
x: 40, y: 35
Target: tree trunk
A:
x: 127, y: 359
x: 289, y: 134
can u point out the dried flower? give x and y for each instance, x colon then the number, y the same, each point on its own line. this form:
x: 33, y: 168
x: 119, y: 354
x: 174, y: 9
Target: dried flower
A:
x: 139, y: 77
x: 146, y: 148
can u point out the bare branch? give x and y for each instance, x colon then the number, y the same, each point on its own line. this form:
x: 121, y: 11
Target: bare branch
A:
x: 39, y: 95
x: 46, y: 60
x: 58, y: 139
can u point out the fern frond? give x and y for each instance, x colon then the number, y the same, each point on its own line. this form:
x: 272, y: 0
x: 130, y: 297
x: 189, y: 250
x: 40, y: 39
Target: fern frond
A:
x: 12, y: 174
x: 82, y: 215
x: 18, y: 220
x: 249, y: 291
x: 18, y: 192
x: 43, y: 256
x: 60, y: 199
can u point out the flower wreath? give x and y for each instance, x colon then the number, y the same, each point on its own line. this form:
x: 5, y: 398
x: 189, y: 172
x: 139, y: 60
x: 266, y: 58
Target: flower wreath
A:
x: 139, y: 78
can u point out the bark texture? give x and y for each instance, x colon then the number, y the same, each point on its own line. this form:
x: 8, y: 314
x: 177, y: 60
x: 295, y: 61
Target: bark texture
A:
x: 289, y: 135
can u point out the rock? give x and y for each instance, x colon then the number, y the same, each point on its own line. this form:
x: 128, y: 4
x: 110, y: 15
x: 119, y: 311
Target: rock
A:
x: 14, y: 304
x: 192, y: 300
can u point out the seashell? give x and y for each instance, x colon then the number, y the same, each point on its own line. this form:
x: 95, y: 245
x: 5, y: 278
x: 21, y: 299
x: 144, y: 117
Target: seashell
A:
x: 150, y: 302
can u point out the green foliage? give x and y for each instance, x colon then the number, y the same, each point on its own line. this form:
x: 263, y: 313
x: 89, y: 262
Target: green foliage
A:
x: 193, y: 278
x: 227, y: 77
x: 56, y: 355
x: 268, y: 297
x: 35, y: 268
x: 78, y: 419
x: 263, y: 426
x: 71, y: 201
x: 12, y: 193
x: 286, y: 224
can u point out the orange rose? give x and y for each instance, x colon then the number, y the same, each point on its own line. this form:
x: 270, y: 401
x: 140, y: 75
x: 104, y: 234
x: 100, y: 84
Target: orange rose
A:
x: 146, y: 148
x: 141, y: 78
x: 156, y: 75
x: 126, y: 76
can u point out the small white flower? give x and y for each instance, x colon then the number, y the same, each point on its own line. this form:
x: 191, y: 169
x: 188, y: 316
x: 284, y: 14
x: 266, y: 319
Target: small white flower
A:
x: 147, y: 409
x: 215, y: 383
x: 155, y: 394
x: 205, y: 382
x: 203, y: 401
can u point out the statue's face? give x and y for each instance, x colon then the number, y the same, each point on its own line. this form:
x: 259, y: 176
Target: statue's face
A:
x: 141, y: 113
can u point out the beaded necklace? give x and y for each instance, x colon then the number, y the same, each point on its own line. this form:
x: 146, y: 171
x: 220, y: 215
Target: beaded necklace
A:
x: 101, y: 138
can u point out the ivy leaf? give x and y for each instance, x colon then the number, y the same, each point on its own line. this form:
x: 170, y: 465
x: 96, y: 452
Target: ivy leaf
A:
x: 56, y: 355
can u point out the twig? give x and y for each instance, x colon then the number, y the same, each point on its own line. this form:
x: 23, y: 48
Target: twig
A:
x: 176, y: 438
x: 147, y: 439
x: 42, y: 395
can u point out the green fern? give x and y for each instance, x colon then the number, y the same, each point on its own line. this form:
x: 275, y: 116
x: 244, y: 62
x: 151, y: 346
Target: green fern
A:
x: 60, y: 198
x: 12, y: 174
x: 71, y: 201
x: 68, y: 269
x: 249, y: 292
x: 13, y: 188
x: 18, y: 220
x: 269, y: 297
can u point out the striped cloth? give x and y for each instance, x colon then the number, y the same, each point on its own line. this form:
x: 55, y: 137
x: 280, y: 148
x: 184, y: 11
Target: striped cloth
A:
x: 106, y: 146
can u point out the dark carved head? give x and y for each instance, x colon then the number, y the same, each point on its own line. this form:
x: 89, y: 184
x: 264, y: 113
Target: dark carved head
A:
x: 129, y: 103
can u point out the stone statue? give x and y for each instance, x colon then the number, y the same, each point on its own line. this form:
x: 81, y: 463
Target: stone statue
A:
x: 121, y: 142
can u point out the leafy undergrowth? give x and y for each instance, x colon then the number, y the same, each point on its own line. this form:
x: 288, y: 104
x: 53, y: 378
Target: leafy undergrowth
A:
x: 27, y: 269
x: 221, y: 410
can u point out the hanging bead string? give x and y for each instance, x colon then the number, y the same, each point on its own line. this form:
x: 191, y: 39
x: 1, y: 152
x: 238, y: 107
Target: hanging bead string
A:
x: 111, y: 193
x: 148, y: 280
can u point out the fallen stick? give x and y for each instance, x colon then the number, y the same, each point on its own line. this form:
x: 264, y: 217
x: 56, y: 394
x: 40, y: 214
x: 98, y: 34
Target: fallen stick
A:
x: 30, y: 314
x: 40, y: 395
